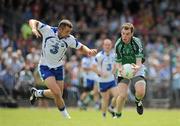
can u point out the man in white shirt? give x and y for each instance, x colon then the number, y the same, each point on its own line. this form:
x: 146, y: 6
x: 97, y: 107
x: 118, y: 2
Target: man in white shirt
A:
x: 55, y: 41
x: 104, y: 66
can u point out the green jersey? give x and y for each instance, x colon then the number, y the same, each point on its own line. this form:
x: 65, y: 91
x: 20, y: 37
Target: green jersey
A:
x: 127, y: 53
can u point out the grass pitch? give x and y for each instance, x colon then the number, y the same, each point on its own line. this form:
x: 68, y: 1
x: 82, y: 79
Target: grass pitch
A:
x: 91, y: 117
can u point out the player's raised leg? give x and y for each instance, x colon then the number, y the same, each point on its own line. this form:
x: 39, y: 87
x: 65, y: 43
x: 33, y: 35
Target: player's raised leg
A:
x: 55, y: 91
x: 35, y: 94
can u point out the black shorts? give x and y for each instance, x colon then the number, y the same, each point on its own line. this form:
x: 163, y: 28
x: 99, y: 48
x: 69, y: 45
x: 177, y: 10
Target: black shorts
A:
x: 131, y: 82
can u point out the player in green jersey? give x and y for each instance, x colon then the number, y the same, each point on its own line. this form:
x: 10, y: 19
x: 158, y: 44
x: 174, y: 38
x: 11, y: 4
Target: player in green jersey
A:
x: 129, y: 50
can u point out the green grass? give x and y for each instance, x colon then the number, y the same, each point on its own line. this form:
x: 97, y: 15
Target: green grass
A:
x: 51, y: 117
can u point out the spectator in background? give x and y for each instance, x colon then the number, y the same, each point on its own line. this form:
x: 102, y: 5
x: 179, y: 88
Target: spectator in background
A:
x: 21, y: 44
x: 33, y: 57
x: 74, y: 70
x: 126, y: 17
x: 176, y: 85
x: 5, y: 41
x: 114, y: 23
x: 1, y: 27
x: 8, y: 79
x: 27, y: 14
x: 20, y: 57
x: 158, y: 44
x: 98, y: 42
x: 37, y: 8
x: 1, y: 64
x: 7, y: 55
x: 176, y: 80
x: 89, y: 41
x: 15, y: 64
x: 163, y: 28
x: 164, y: 76
x: 24, y: 82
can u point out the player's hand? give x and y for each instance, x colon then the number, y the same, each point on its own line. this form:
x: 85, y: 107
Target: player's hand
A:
x: 120, y: 70
x: 36, y: 33
x: 135, y: 67
x: 92, y: 52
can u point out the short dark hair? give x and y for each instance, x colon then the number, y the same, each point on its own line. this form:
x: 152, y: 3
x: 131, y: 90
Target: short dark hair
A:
x: 64, y: 23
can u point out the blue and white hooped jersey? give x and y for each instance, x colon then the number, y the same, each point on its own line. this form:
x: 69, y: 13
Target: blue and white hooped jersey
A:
x: 87, y: 62
x: 54, y: 48
x: 105, y: 63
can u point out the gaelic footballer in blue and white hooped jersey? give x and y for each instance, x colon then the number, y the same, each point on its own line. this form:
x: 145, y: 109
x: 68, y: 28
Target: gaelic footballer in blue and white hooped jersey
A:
x: 105, y: 64
x: 53, y: 47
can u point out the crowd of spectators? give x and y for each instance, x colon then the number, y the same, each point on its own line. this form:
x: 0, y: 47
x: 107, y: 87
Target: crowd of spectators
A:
x: 157, y: 23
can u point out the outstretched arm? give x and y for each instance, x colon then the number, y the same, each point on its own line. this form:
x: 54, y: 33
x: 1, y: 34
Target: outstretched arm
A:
x: 85, y: 50
x: 34, y: 26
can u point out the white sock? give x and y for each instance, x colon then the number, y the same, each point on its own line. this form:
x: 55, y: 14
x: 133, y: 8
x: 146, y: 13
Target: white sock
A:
x: 39, y: 93
x: 65, y: 113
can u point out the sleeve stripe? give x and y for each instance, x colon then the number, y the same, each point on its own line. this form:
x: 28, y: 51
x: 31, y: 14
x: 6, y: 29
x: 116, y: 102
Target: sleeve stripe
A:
x: 54, y: 29
x: 77, y: 42
x: 65, y: 43
x: 42, y: 26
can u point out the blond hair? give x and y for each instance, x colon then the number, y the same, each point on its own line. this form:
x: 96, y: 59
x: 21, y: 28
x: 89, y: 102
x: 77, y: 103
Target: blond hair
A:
x: 128, y: 26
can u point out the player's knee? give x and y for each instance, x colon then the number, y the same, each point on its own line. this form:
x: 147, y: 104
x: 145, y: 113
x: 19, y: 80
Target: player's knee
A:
x: 57, y: 93
x: 140, y: 89
x: 140, y: 93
